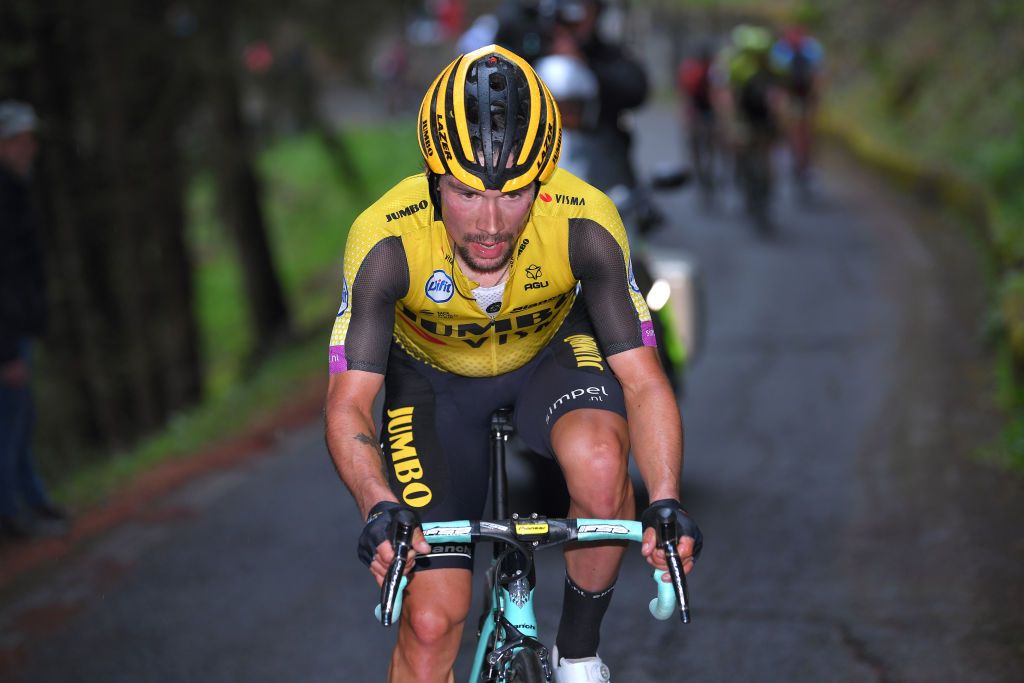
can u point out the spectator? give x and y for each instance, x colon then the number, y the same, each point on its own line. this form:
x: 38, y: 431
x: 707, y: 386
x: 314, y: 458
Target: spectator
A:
x: 25, y: 509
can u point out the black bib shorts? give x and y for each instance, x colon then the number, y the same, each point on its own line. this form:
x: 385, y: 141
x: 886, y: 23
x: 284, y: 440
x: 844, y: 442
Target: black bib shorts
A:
x: 435, y: 425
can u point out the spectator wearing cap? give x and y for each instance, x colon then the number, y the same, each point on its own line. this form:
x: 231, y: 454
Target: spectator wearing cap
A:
x: 25, y: 509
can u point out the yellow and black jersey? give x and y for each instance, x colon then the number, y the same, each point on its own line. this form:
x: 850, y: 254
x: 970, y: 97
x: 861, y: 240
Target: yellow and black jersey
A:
x: 402, y: 283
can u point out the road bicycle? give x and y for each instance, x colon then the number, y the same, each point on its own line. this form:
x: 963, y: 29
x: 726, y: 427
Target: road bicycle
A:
x: 508, y: 646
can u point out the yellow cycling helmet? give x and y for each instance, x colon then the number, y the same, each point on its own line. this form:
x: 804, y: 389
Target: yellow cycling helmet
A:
x: 490, y: 121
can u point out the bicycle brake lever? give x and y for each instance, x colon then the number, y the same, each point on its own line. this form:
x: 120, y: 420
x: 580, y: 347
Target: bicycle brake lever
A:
x: 667, y: 539
x: 402, y: 543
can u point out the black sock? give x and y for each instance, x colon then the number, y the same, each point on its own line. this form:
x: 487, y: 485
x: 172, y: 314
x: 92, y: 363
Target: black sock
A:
x: 579, y: 631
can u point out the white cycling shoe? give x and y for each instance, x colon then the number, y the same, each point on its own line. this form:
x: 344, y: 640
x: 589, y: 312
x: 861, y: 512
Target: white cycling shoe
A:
x: 586, y: 670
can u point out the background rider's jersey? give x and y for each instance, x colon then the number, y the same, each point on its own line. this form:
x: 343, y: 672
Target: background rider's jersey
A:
x: 402, y: 283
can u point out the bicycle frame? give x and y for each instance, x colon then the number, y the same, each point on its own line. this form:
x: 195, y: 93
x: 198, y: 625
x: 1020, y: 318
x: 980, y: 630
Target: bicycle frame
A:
x: 509, y: 622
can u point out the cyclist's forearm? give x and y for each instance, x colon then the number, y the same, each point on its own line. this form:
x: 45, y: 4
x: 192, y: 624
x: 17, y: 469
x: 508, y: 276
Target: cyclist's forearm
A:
x: 656, y: 437
x: 356, y: 453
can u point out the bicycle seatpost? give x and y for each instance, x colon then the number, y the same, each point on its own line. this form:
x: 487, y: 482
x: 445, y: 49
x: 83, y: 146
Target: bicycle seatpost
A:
x: 668, y: 536
x: 401, y: 541
x: 501, y: 429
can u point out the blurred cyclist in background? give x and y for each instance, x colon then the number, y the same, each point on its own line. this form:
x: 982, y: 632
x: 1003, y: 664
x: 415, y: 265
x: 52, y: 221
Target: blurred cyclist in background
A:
x: 798, y: 58
x: 694, y: 82
x: 752, y: 99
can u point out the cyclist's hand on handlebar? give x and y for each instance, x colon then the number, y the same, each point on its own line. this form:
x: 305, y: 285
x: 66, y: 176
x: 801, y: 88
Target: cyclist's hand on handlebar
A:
x: 690, y: 540
x: 375, y: 549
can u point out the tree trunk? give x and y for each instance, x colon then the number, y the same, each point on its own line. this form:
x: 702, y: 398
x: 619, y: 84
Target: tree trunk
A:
x: 238, y: 188
x: 122, y: 353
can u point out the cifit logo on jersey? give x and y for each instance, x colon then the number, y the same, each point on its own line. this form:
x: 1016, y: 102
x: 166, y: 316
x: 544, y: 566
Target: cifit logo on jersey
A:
x: 440, y: 287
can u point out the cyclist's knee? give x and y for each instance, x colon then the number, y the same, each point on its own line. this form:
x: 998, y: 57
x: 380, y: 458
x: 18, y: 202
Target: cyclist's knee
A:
x: 436, y: 606
x: 601, y: 450
x: 595, y: 463
x: 434, y: 624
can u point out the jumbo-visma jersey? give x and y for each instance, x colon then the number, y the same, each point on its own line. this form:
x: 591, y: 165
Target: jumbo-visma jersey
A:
x: 436, y: 318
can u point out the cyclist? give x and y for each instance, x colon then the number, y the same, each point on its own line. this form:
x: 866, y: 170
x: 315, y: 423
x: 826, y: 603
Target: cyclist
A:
x: 799, y: 57
x: 753, y: 98
x: 493, y: 279
x: 694, y: 82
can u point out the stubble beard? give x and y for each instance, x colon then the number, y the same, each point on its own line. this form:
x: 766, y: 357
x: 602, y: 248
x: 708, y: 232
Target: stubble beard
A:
x: 496, y: 266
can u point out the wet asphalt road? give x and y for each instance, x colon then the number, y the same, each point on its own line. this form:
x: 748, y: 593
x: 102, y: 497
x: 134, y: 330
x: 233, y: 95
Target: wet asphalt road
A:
x: 831, y: 426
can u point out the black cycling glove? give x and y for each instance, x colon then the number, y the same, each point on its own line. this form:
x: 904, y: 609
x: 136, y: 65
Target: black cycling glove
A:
x: 378, y: 527
x: 667, y: 508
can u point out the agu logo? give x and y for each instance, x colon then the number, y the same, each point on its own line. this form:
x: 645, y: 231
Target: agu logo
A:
x: 533, y: 272
x: 439, y: 287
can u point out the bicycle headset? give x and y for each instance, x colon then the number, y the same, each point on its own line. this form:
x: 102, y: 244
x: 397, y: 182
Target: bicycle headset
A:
x: 490, y: 122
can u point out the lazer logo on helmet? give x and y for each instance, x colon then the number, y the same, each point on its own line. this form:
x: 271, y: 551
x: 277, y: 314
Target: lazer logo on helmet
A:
x: 439, y: 287
x: 442, y: 138
x: 549, y: 139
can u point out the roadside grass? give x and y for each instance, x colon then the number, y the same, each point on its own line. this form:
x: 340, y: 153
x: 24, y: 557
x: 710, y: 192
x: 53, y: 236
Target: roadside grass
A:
x: 939, y: 126
x: 308, y: 207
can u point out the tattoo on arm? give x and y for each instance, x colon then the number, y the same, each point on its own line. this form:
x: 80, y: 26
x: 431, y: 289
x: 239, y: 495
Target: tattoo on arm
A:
x: 364, y: 439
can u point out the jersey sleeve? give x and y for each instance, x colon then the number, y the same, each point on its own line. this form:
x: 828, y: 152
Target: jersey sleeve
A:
x: 599, y: 257
x: 361, y: 338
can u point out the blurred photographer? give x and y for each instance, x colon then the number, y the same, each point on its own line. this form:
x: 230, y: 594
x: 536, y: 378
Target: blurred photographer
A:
x: 621, y: 80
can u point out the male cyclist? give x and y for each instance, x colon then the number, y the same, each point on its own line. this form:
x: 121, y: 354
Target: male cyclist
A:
x: 753, y: 99
x: 694, y: 82
x: 799, y: 57
x: 495, y: 279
